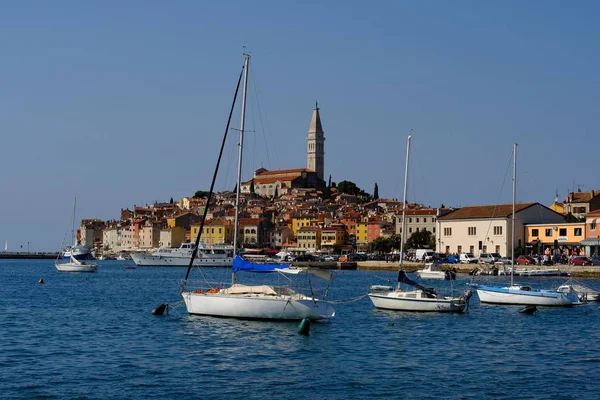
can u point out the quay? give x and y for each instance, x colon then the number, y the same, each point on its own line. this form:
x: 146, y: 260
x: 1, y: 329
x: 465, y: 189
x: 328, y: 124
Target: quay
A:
x: 28, y: 256
x: 572, y: 270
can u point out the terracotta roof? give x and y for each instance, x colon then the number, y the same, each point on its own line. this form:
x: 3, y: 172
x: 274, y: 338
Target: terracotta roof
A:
x: 497, y: 211
x: 250, y: 221
x: 581, y: 197
x: 284, y: 171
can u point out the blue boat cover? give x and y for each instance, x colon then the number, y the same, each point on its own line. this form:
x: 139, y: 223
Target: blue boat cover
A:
x: 239, y: 264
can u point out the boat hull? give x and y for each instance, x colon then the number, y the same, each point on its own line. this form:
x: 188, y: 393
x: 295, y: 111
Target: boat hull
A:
x: 514, y: 296
x: 75, y: 268
x: 431, y: 275
x: 390, y: 301
x: 160, y: 261
x: 264, y: 308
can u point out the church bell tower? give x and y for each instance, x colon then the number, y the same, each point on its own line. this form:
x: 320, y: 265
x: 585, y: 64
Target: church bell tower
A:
x: 315, y: 151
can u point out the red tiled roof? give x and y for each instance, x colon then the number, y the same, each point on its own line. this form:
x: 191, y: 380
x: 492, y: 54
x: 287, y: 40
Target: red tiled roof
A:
x: 284, y: 171
x: 497, y: 211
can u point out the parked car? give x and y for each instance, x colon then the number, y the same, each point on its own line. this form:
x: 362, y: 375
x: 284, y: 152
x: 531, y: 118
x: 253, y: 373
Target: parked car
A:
x: 452, y: 260
x: 505, y: 260
x: 486, y: 258
x: 467, y: 258
x: 581, y: 260
x: 596, y: 260
x: 525, y: 260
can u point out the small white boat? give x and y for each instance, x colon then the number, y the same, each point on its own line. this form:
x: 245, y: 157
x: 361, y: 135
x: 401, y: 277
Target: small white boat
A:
x: 525, y: 295
x: 74, y: 265
x: 420, y: 299
x: 433, y: 271
x: 585, y: 293
x: 540, y: 272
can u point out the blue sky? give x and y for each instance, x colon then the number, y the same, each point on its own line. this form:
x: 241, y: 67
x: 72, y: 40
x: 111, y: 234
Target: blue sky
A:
x: 122, y: 103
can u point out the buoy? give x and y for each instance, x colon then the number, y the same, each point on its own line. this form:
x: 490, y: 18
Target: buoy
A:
x: 528, y: 310
x: 304, y: 327
x: 41, y: 280
x: 391, y: 324
x: 160, y: 310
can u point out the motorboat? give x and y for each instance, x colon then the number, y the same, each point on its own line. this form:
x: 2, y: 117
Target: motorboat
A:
x: 433, y: 271
x: 540, y: 272
x: 585, y: 293
x: 207, y: 256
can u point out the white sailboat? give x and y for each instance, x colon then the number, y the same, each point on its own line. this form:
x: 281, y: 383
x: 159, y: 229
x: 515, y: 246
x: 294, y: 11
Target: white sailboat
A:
x: 74, y: 265
x: 265, y: 302
x: 420, y: 298
x: 523, y: 295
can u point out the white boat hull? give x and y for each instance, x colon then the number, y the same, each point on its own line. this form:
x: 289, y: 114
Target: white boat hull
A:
x: 516, y: 296
x: 398, y: 302
x: 67, y: 267
x: 256, y: 307
x: 142, y: 259
x: 431, y: 274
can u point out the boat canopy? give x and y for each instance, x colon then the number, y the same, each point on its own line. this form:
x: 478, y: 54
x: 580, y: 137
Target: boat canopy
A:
x: 403, y: 278
x: 239, y: 264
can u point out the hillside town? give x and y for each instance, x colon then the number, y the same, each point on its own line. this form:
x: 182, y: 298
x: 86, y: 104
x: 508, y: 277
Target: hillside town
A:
x: 297, y: 211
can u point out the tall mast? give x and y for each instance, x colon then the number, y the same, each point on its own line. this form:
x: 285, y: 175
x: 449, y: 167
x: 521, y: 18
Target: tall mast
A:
x: 73, y: 227
x: 404, y: 206
x: 240, y: 153
x: 514, y: 189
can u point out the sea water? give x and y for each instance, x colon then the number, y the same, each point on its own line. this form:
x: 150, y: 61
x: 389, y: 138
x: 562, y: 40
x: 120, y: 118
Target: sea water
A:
x: 93, y: 336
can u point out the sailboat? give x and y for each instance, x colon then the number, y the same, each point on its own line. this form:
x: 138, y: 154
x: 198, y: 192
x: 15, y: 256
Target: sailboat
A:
x: 523, y: 295
x: 74, y: 265
x: 76, y: 250
x: 420, y: 298
x: 264, y: 302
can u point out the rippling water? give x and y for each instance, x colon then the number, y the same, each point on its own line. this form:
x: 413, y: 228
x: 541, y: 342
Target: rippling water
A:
x: 93, y: 336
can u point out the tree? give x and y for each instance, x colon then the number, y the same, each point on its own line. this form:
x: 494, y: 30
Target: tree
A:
x: 348, y: 187
x: 171, y: 201
x: 329, y: 184
x: 235, y: 188
x: 200, y: 194
x: 252, y: 187
x: 375, y: 192
x: 419, y: 240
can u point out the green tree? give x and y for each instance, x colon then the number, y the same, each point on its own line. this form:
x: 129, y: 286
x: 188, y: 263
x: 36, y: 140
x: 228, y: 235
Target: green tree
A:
x: 348, y: 187
x: 419, y: 240
x: 375, y: 192
x: 252, y: 187
x: 329, y: 184
x: 171, y: 201
x: 201, y: 194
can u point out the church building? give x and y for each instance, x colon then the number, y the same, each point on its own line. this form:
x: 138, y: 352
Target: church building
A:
x: 276, y: 183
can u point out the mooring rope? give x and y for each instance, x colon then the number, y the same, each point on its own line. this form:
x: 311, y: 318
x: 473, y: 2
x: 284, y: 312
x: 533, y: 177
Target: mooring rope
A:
x: 352, y: 300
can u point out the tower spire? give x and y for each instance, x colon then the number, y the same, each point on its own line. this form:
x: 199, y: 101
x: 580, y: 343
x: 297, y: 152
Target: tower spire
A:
x: 315, y: 151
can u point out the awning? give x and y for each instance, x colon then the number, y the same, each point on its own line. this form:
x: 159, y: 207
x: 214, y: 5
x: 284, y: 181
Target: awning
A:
x: 594, y: 241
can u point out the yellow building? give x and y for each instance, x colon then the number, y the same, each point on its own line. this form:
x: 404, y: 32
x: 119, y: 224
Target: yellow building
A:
x: 309, y: 238
x: 362, y: 232
x: 558, y: 207
x: 306, y: 220
x: 565, y: 234
x: 333, y: 236
x: 216, y: 231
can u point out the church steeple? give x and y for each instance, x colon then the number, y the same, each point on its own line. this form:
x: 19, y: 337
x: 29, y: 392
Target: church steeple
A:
x: 315, y: 152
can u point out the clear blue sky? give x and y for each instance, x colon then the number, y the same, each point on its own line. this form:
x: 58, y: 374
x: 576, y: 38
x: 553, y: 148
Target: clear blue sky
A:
x: 122, y: 103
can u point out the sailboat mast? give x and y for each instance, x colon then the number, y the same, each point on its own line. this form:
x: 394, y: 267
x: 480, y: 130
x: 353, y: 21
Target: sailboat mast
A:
x: 240, y: 154
x: 73, y: 227
x: 514, y: 197
x: 403, y: 233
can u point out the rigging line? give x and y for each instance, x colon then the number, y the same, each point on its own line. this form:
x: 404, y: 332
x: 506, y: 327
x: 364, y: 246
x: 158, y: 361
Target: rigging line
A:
x: 499, y: 195
x: 212, y: 184
x: 262, y: 125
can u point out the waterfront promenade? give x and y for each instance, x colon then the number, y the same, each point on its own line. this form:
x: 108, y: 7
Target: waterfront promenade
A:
x: 21, y: 255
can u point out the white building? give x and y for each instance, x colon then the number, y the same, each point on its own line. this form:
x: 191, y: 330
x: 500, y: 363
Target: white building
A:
x: 481, y: 229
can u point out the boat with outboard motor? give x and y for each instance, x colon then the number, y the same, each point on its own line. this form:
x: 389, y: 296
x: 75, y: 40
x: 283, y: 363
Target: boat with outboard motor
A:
x: 207, y: 256
x: 433, y: 271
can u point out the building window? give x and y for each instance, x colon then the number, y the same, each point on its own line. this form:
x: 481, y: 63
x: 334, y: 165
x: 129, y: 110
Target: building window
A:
x: 424, y: 220
x: 410, y: 220
x: 593, y: 226
x: 548, y: 232
x: 535, y: 232
x: 434, y: 229
x: 497, y: 230
x: 577, y: 232
x: 417, y: 230
x: 409, y: 230
x: 447, y: 249
x: 417, y: 220
x: 472, y: 232
x: 471, y: 249
x: 562, y: 232
x: 484, y: 249
x: 447, y: 231
x: 459, y: 249
x: 498, y: 248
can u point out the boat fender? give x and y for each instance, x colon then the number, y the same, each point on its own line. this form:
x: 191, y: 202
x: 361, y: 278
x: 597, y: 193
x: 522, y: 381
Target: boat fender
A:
x: 41, y: 280
x: 304, y: 327
x: 160, y: 310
